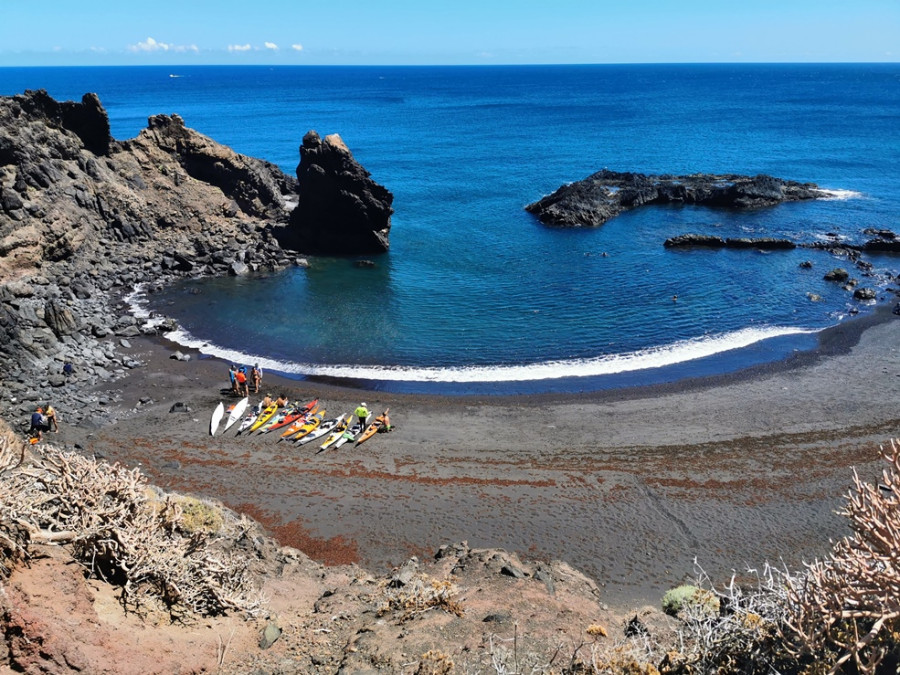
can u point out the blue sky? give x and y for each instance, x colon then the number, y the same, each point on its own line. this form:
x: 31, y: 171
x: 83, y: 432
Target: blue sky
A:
x: 320, y: 32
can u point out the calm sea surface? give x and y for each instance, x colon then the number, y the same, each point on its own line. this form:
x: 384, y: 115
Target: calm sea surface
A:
x: 475, y: 294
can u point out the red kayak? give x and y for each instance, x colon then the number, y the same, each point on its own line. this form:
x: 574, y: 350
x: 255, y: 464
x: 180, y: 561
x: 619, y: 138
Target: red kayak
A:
x: 294, y: 415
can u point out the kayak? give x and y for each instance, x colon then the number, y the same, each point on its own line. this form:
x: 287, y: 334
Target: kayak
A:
x: 373, y: 428
x: 339, y: 429
x: 351, y: 432
x: 248, y: 421
x: 323, y: 428
x: 264, y: 417
x: 235, y: 414
x: 217, y: 416
x: 302, y: 421
x: 290, y: 416
x: 311, y: 422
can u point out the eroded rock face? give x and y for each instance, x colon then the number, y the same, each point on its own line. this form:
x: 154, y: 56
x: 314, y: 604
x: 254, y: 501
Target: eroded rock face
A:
x: 341, y: 210
x: 606, y: 194
x: 67, y: 188
x: 84, y: 218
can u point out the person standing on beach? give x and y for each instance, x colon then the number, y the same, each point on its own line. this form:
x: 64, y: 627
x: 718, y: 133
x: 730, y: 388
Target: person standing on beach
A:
x: 256, y: 377
x: 232, y: 373
x: 362, y: 412
x: 241, y: 379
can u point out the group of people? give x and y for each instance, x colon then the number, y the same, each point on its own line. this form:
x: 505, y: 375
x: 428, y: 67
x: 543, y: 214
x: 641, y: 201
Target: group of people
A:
x: 43, y: 419
x: 242, y: 379
x: 280, y: 402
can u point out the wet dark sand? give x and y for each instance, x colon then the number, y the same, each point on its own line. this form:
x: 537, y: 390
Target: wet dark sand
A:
x: 628, y: 485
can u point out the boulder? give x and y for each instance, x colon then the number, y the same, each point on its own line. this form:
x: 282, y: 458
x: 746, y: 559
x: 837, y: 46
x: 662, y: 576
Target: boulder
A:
x: 340, y: 209
x: 59, y: 319
x: 837, y: 274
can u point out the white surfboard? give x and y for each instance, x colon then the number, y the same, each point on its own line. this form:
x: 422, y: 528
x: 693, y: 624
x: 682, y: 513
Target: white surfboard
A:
x: 217, y: 416
x: 236, y: 412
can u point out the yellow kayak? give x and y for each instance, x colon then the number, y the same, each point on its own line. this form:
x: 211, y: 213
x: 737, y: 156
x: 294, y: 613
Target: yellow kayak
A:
x: 337, y: 433
x: 264, y: 417
x: 300, y: 428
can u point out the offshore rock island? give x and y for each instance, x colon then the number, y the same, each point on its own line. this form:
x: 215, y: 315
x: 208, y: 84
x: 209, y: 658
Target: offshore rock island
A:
x: 592, y: 201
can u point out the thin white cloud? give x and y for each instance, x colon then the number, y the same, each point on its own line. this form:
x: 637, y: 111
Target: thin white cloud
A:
x: 149, y: 45
x: 271, y: 45
x: 297, y: 47
x: 239, y: 48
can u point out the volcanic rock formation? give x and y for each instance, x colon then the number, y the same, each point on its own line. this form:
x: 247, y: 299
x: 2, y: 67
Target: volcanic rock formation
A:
x: 604, y: 195
x: 341, y: 210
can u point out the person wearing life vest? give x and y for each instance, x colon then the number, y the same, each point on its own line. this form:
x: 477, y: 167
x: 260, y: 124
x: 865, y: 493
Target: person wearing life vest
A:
x: 241, y: 377
x: 362, y: 412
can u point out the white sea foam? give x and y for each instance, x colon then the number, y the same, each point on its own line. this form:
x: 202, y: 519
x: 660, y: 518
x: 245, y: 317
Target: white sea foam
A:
x: 839, y: 194
x: 657, y: 357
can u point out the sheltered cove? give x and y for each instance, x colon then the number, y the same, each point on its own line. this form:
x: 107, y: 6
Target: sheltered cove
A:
x: 699, y: 468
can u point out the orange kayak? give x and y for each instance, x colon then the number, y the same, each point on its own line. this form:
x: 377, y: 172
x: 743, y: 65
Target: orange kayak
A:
x: 303, y: 426
x: 373, y: 428
x: 292, y: 416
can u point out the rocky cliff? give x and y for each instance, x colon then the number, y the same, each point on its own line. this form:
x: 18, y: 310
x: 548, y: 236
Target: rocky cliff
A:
x: 604, y: 195
x: 69, y: 192
x: 85, y: 218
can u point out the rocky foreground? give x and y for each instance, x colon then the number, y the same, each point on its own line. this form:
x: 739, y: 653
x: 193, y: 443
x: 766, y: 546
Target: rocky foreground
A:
x: 464, y: 610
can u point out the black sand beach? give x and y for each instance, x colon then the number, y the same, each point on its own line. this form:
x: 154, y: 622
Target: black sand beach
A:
x: 628, y: 485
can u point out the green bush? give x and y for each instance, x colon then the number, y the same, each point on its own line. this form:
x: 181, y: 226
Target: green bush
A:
x: 679, y: 598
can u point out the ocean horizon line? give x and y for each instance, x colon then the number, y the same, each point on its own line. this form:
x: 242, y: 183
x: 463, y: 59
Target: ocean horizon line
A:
x: 164, y: 66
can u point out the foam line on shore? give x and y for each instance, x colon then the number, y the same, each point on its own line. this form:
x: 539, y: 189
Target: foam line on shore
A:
x: 657, y: 357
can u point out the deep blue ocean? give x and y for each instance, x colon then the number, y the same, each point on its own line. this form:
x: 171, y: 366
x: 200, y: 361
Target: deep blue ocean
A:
x: 477, y: 296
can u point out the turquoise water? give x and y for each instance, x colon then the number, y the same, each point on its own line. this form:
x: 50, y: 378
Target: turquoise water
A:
x: 475, y: 295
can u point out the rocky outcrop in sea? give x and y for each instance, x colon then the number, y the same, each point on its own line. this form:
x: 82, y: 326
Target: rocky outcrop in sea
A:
x: 85, y: 219
x: 604, y: 195
x: 340, y: 209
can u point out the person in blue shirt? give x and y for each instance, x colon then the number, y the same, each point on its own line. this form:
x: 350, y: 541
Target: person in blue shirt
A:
x: 37, y: 424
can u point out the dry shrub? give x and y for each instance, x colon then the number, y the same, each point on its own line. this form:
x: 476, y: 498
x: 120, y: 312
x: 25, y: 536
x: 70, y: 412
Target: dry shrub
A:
x: 421, y: 594
x: 846, y: 608
x: 13, y: 536
x: 435, y: 662
x: 118, y: 529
